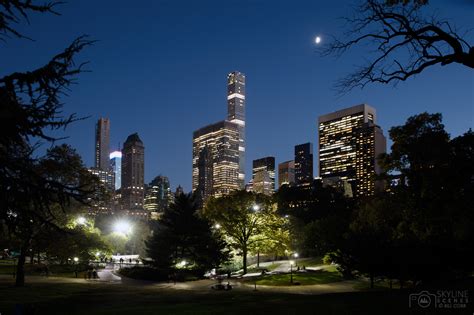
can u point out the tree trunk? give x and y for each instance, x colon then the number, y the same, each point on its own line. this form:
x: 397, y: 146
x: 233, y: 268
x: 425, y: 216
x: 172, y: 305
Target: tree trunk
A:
x: 258, y: 259
x: 20, y: 269
x: 244, y: 259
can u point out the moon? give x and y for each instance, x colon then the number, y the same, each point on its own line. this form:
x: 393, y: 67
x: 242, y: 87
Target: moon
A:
x: 317, y: 40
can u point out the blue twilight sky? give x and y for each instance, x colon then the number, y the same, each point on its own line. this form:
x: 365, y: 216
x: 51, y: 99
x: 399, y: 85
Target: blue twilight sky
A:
x: 159, y: 69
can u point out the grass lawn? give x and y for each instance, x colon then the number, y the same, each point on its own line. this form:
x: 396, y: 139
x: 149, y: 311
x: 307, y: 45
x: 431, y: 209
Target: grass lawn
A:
x: 96, y: 298
x: 306, y: 278
x: 310, y: 262
x: 54, y: 270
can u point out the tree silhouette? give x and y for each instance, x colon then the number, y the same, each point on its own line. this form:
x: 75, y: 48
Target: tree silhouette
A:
x: 405, y: 42
x: 182, y: 235
x: 31, y: 186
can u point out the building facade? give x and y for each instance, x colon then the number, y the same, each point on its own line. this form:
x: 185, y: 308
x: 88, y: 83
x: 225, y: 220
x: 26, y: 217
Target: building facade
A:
x: 158, y: 196
x: 102, y: 144
x: 216, y: 160
x: 219, y: 149
x: 236, y: 114
x: 286, y: 173
x: 304, y: 164
x: 349, y: 143
x: 133, y: 173
x: 106, y: 178
x: 116, y: 167
x: 263, y: 175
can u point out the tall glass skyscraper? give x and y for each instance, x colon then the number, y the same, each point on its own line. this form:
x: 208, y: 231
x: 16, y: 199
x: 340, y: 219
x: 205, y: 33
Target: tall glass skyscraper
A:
x: 133, y: 173
x: 304, y: 164
x: 349, y: 143
x: 219, y: 149
x: 158, y: 195
x: 102, y: 144
x: 116, y: 166
x: 236, y: 114
x: 286, y: 173
x: 263, y: 175
x: 216, y: 160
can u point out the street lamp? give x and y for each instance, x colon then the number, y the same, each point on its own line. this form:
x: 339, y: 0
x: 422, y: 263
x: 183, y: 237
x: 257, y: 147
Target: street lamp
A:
x: 76, y: 259
x: 291, y: 270
x: 81, y: 221
x: 123, y: 227
x: 296, y: 258
x: 217, y: 226
x: 255, y: 207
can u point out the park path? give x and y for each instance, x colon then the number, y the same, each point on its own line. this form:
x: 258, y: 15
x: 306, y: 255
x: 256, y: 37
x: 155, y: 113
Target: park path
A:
x: 107, y: 274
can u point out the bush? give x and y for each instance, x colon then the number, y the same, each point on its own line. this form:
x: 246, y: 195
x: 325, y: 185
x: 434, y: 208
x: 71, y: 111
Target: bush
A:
x: 328, y: 258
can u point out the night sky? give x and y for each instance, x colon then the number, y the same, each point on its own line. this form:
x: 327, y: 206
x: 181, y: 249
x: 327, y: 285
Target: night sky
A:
x: 159, y: 68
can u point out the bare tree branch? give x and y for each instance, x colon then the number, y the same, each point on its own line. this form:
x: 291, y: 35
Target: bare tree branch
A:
x: 406, y: 43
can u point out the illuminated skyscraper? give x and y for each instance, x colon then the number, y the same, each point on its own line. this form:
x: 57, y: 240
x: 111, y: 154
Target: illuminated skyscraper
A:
x: 158, y: 195
x: 102, y: 144
x: 216, y: 159
x: 107, y: 180
x: 236, y: 114
x: 116, y: 166
x: 263, y: 175
x: 219, y: 149
x: 286, y: 173
x: 133, y: 173
x: 349, y: 142
x: 304, y: 164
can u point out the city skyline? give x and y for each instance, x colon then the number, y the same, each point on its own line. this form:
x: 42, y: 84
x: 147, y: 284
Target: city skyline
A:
x: 289, y: 83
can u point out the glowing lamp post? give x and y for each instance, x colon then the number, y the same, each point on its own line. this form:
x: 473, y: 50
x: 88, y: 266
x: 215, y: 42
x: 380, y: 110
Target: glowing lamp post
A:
x: 291, y: 270
x: 81, y: 221
x: 123, y: 227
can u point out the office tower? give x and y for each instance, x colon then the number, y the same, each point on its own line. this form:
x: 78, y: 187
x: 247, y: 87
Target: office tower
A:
x: 216, y: 160
x: 158, y: 195
x: 116, y: 167
x: 102, y: 144
x: 286, y: 173
x: 133, y: 172
x: 236, y: 114
x: 179, y: 191
x: 219, y: 149
x: 304, y: 164
x: 349, y: 142
x: 263, y: 175
x: 102, y: 205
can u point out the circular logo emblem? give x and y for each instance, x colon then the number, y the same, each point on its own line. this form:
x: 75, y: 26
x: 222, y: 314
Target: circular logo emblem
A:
x: 424, y: 300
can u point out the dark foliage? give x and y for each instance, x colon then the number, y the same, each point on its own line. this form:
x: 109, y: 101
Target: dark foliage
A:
x: 34, y: 191
x: 182, y: 235
x: 421, y: 229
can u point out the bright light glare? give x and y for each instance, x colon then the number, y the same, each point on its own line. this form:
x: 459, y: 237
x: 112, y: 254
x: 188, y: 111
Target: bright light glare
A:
x: 256, y: 207
x: 76, y: 259
x: 123, y: 227
x: 217, y: 226
x: 292, y: 262
x: 81, y: 220
x: 296, y: 255
x: 183, y: 263
x: 317, y: 40
x: 97, y: 254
